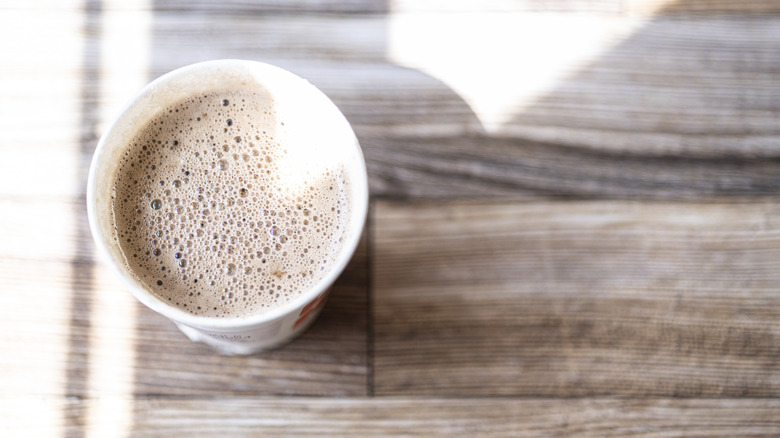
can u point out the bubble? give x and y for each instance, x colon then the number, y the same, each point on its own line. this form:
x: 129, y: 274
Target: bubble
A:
x: 176, y: 183
x: 156, y: 204
x: 156, y: 251
x: 223, y: 165
x: 243, y: 192
x: 229, y: 122
x: 225, y: 102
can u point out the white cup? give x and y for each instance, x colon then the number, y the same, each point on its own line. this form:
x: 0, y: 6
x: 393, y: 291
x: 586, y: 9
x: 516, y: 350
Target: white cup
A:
x: 311, y: 119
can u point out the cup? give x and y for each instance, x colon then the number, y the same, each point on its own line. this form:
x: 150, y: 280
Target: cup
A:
x: 309, y: 117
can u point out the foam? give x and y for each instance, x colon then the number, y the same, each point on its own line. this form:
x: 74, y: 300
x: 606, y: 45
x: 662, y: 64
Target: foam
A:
x: 206, y: 216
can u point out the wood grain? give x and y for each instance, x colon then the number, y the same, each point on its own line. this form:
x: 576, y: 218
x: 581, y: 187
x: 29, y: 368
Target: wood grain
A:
x: 328, y: 359
x: 53, y: 312
x: 678, y: 108
x: 451, y: 167
x: 628, y: 248
x: 576, y: 299
x: 242, y: 7
x: 688, y: 7
x: 669, y: 108
x: 675, y: 108
x: 412, y: 417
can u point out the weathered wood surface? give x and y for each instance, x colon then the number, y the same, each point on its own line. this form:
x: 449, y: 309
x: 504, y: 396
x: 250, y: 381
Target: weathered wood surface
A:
x: 415, y: 417
x: 675, y: 106
x: 584, y: 204
x: 678, y: 107
x: 329, y: 359
x: 577, y: 299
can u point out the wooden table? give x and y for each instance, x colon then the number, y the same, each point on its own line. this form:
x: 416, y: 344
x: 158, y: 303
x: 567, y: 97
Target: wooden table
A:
x: 574, y: 226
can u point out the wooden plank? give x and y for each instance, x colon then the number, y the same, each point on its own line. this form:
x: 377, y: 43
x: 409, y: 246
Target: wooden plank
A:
x: 281, y: 39
x: 646, y: 7
x: 668, y: 108
x: 693, y: 87
x: 50, y: 229
x: 451, y: 167
x: 424, y: 417
x: 457, y: 6
x: 47, y: 261
x: 206, y: 7
x: 665, y: 108
x: 688, y: 7
x: 34, y: 308
x: 576, y: 299
x: 637, y: 7
x: 243, y: 7
x: 329, y: 359
x: 40, y: 83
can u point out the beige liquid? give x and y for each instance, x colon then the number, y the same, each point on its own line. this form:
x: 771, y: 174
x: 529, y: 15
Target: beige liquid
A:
x: 206, y: 220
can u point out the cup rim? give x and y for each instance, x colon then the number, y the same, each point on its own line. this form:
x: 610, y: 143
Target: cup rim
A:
x: 359, y: 211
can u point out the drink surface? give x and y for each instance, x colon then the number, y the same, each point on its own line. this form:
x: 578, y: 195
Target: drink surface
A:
x: 209, y: 219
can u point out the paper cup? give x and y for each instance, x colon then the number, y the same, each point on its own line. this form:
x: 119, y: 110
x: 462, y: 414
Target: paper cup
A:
x: 310, y: 119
